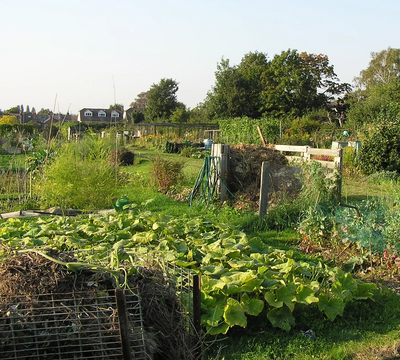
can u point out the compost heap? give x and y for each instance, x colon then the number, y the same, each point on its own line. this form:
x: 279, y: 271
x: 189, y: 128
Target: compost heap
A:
x: 166, y: 330
x: 244, y: 175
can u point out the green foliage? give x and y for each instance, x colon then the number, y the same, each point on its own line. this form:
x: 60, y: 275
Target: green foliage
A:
x: 161, y: 101
x: 79, y: 177
x: 367, y: 109
x: 292, y: 82
x: 244, y: 130
x: 122, y: 157
x: 366, y: 231
x: 320, y: 184
x: 383, y: 177
x: 383, y: 68
x: 289, y: 84
x: 166, y: 172
x: 241, y: 276
x: 194, y: 152
x: 237, y: 90
x: 316, y: 224
x: 381, y: 142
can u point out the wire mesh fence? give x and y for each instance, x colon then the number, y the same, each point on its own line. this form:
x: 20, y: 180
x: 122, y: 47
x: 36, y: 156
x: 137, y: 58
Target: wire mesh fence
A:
x: 80, y: 325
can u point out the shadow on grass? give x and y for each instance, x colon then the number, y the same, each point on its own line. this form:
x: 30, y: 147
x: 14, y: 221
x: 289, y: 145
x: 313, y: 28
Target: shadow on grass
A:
x: 362, y: 323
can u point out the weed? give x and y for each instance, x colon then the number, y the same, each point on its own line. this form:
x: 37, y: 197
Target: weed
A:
x: 166, y: 173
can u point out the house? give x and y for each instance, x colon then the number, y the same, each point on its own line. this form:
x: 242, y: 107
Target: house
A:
x: 99, y: 116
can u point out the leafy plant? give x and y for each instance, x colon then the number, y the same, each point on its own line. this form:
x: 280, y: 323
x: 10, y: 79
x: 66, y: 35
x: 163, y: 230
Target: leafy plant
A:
x: 77, y: 180
x: 241, y: 276
x: 166, y: 172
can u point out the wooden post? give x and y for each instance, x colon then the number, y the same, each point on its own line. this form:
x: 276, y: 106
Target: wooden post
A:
x: 261, y: 136
x: 123, y: 324
x: 197, y: 313
x: 264, y: 188
x: 222, y: 151
x: 339, y: 164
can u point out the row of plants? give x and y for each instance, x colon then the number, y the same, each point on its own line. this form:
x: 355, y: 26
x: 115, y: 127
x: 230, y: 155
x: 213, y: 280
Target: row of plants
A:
x: 241, y: 276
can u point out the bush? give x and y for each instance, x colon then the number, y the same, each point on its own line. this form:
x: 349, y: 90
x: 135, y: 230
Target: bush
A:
x: 381, y: 142
x: 122, y: 157
x: 75, y: 181
x: 166, y: 173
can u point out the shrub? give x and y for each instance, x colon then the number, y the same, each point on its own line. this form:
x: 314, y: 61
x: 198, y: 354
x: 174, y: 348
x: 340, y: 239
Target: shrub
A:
x: 166, y: 173
x: 75, y: 181
x: 122, y: 157
x: 381, y: 142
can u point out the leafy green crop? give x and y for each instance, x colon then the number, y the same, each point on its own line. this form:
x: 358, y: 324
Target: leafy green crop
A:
x: 240, y: 276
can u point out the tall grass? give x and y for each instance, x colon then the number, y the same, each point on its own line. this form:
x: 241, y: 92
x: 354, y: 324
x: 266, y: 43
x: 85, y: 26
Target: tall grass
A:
x: 79, y: 177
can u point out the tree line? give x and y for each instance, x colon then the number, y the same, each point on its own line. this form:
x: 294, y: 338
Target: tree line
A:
x: 290, y: 85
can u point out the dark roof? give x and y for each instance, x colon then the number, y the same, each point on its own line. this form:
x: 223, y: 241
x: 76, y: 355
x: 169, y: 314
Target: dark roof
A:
x: 95, y: 115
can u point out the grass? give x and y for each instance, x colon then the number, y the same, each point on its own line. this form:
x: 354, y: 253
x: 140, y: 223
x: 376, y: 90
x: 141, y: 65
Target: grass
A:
x: 355, y: 190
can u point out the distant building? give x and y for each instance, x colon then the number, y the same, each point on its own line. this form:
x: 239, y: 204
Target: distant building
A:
x: 98, y: 116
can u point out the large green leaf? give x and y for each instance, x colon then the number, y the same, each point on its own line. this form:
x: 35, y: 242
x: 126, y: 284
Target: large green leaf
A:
x: 220, y: 329
x: 344, y: 285
x: 364, y: 291
x: 208, y: 284
x: 234, y: 314
x: 251, y: 306
x: 283, y: 295
x: 271, y: 299
x: 305, y: 295
x: 214, y: 270
x: 331, y: 306
x: 281, y: 318
x: 213, y: 317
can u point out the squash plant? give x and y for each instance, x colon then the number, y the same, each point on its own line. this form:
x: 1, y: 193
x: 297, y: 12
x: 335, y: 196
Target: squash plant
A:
x: 241, y: 276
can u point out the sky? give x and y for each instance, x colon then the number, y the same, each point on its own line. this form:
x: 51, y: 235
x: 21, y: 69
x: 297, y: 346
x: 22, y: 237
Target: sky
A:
x: 69, y: 55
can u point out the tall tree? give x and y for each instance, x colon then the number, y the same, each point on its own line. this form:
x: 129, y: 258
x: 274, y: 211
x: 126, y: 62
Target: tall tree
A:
x: 297, y: 83
x: 237, y: 89
x: 383, y: 68
x: 162, y: 100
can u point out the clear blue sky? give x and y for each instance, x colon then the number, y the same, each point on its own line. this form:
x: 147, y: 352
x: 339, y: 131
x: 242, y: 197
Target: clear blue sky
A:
x: 70, y: 54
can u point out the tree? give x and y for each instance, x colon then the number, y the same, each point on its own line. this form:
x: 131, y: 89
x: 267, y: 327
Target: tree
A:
x: 43, y: 111
x: 13, y: 110
x: 162, y: 100
x: 296, y: 83
x: 180, y: 115
x: 140, y: 102
x: 383, y: 68
x: 137, y: 116
x: 380, y: 148
x: 367, y: 109
x: 117, y: 107
x: 237, y: 89
x: 27, y: 109
x: 8, y: 119
x: 290, y: 84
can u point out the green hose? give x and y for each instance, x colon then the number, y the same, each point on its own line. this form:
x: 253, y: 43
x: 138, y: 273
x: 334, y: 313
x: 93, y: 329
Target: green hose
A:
x: 206, y: 182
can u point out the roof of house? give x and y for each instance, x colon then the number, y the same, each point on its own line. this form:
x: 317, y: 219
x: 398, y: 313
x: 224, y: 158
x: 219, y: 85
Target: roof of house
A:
x: 99, y: 115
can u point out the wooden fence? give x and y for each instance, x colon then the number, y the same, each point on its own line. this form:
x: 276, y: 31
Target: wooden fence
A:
x: 307, y: 154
